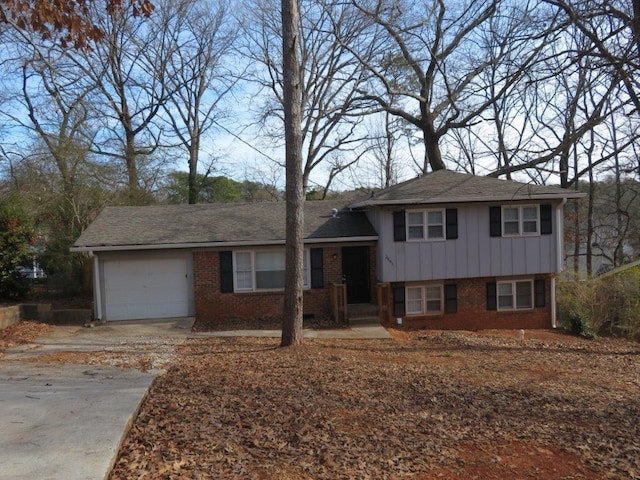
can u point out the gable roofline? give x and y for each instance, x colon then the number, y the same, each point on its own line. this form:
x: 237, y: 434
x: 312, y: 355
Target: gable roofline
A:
x: 211, y: 225
x: 422, y: 201
x: 621, y: 268
x: 445, y: 186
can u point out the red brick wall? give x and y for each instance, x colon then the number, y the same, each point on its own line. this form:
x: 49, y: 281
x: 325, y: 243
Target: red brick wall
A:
x: 213, y: 307
x: 472, y: 311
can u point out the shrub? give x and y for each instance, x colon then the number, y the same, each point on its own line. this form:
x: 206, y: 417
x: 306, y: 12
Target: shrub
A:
x: 17, y: 235
x: 609, y: 304
x: 576, y: 310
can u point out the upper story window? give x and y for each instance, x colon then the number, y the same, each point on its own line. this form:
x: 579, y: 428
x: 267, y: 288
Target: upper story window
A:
x: 426, y: 224
x: 263, y: 270
x: 520, y: 220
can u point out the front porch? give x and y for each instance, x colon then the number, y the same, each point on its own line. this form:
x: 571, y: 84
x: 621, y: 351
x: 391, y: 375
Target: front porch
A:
x: 360, y: 313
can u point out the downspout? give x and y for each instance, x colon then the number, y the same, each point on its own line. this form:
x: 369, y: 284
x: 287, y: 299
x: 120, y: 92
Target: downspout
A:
x: 559, y: 259
x: 97, y: 289
x: 554, y: 323
x: 560, y: 235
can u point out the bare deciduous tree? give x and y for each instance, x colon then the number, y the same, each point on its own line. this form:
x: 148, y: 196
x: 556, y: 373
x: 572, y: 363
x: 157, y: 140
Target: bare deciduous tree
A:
x: 198, y: 74
x: 613, y: 30
x: 331, y: 128
x: 294, y: 248
x: 426, y: 64
x: 126, y: 70
x: 563, y: 100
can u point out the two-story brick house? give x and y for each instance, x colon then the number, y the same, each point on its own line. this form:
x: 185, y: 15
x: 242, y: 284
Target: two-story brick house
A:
x: 445, y: 250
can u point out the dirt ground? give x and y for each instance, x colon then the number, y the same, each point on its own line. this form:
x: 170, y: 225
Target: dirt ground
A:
x: 427, y: 405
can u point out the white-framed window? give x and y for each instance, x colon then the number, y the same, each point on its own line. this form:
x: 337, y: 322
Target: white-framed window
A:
x: 520, y: 220
x: 243, y: 271
x: 424, y: 299
x: 414, y: 304
x: 257, y: 270
x: 433, y: 299
x: 426, y: 224
x: 515, y: 295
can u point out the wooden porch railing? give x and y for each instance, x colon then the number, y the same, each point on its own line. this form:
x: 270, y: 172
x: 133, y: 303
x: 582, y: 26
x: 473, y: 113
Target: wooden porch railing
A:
x: 384, y: 303
x: 338, y: 292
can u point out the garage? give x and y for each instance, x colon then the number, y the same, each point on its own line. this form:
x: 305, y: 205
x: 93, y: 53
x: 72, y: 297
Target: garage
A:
x: 147, y: 286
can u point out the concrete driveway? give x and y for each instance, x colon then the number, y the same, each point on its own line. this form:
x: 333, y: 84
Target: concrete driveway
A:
x: 62, y: 418
x: 67, y: 420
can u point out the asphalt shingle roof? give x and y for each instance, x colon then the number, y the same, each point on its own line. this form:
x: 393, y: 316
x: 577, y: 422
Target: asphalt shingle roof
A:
x: 212, y: 223
x: 175, y: 225
x: 445, y: 186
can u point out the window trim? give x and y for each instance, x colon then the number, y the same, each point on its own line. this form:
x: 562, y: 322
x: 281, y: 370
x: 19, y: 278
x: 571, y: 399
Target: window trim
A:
x: 426, y: 225
x: 423, y: 298
x: 254, y: 289
x: 521, y: 221
x: 514, y: 295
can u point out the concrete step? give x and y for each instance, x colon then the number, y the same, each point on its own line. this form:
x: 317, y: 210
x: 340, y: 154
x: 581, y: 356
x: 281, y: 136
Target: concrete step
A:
x: 362, y: 310
x: 364, y: 320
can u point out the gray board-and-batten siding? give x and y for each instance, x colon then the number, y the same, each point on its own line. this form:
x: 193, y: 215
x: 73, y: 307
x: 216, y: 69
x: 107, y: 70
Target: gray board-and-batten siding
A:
x: 475, y: 253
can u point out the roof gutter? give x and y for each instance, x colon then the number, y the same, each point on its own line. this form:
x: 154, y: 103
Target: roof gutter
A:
x: 252, y: 243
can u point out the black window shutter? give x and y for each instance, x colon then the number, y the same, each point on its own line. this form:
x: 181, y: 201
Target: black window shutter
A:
x: 495, y: 221
x: 540, y: 292
x: 451, y: 298
x: 492, y: 299
x: 398, y: 301
x: 226, y: 272
x: 399, y: 227
x: 316, y: 268
x: 546, y: 224
x: 452, y: 223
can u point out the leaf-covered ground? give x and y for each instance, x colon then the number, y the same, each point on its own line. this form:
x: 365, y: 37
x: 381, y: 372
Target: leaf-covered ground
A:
x: 21, y: 333
x: 424, y: 406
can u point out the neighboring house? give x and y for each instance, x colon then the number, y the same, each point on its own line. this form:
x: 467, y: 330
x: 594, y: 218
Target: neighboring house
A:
x: 619, y: 293
x: 628, y: 267
x: 445, y: 250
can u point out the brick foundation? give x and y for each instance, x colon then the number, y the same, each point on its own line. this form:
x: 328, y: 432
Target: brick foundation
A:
x: 472, y: 311
x: 213, y: 307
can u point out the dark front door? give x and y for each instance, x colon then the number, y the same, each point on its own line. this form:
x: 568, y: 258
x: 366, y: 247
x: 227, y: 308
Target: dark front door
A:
x: 355, y: 271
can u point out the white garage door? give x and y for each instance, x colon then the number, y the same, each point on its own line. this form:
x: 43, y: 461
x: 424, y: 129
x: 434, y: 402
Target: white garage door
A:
x: 146, y: 288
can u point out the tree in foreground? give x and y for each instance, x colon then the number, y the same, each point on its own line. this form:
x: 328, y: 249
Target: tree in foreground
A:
x: 292, y: 313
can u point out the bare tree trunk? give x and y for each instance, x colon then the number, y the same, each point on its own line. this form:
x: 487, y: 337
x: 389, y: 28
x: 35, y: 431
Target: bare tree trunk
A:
x: 577, y: 237
x: 292, y: 83
x: 389, y: 170
x: 618, y: 252
x: 503, y: 157
x: 636, y: 23
x: 590, y: 211
x: 130, y: 156
x: 432, y: 155
x: 193, y: 187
